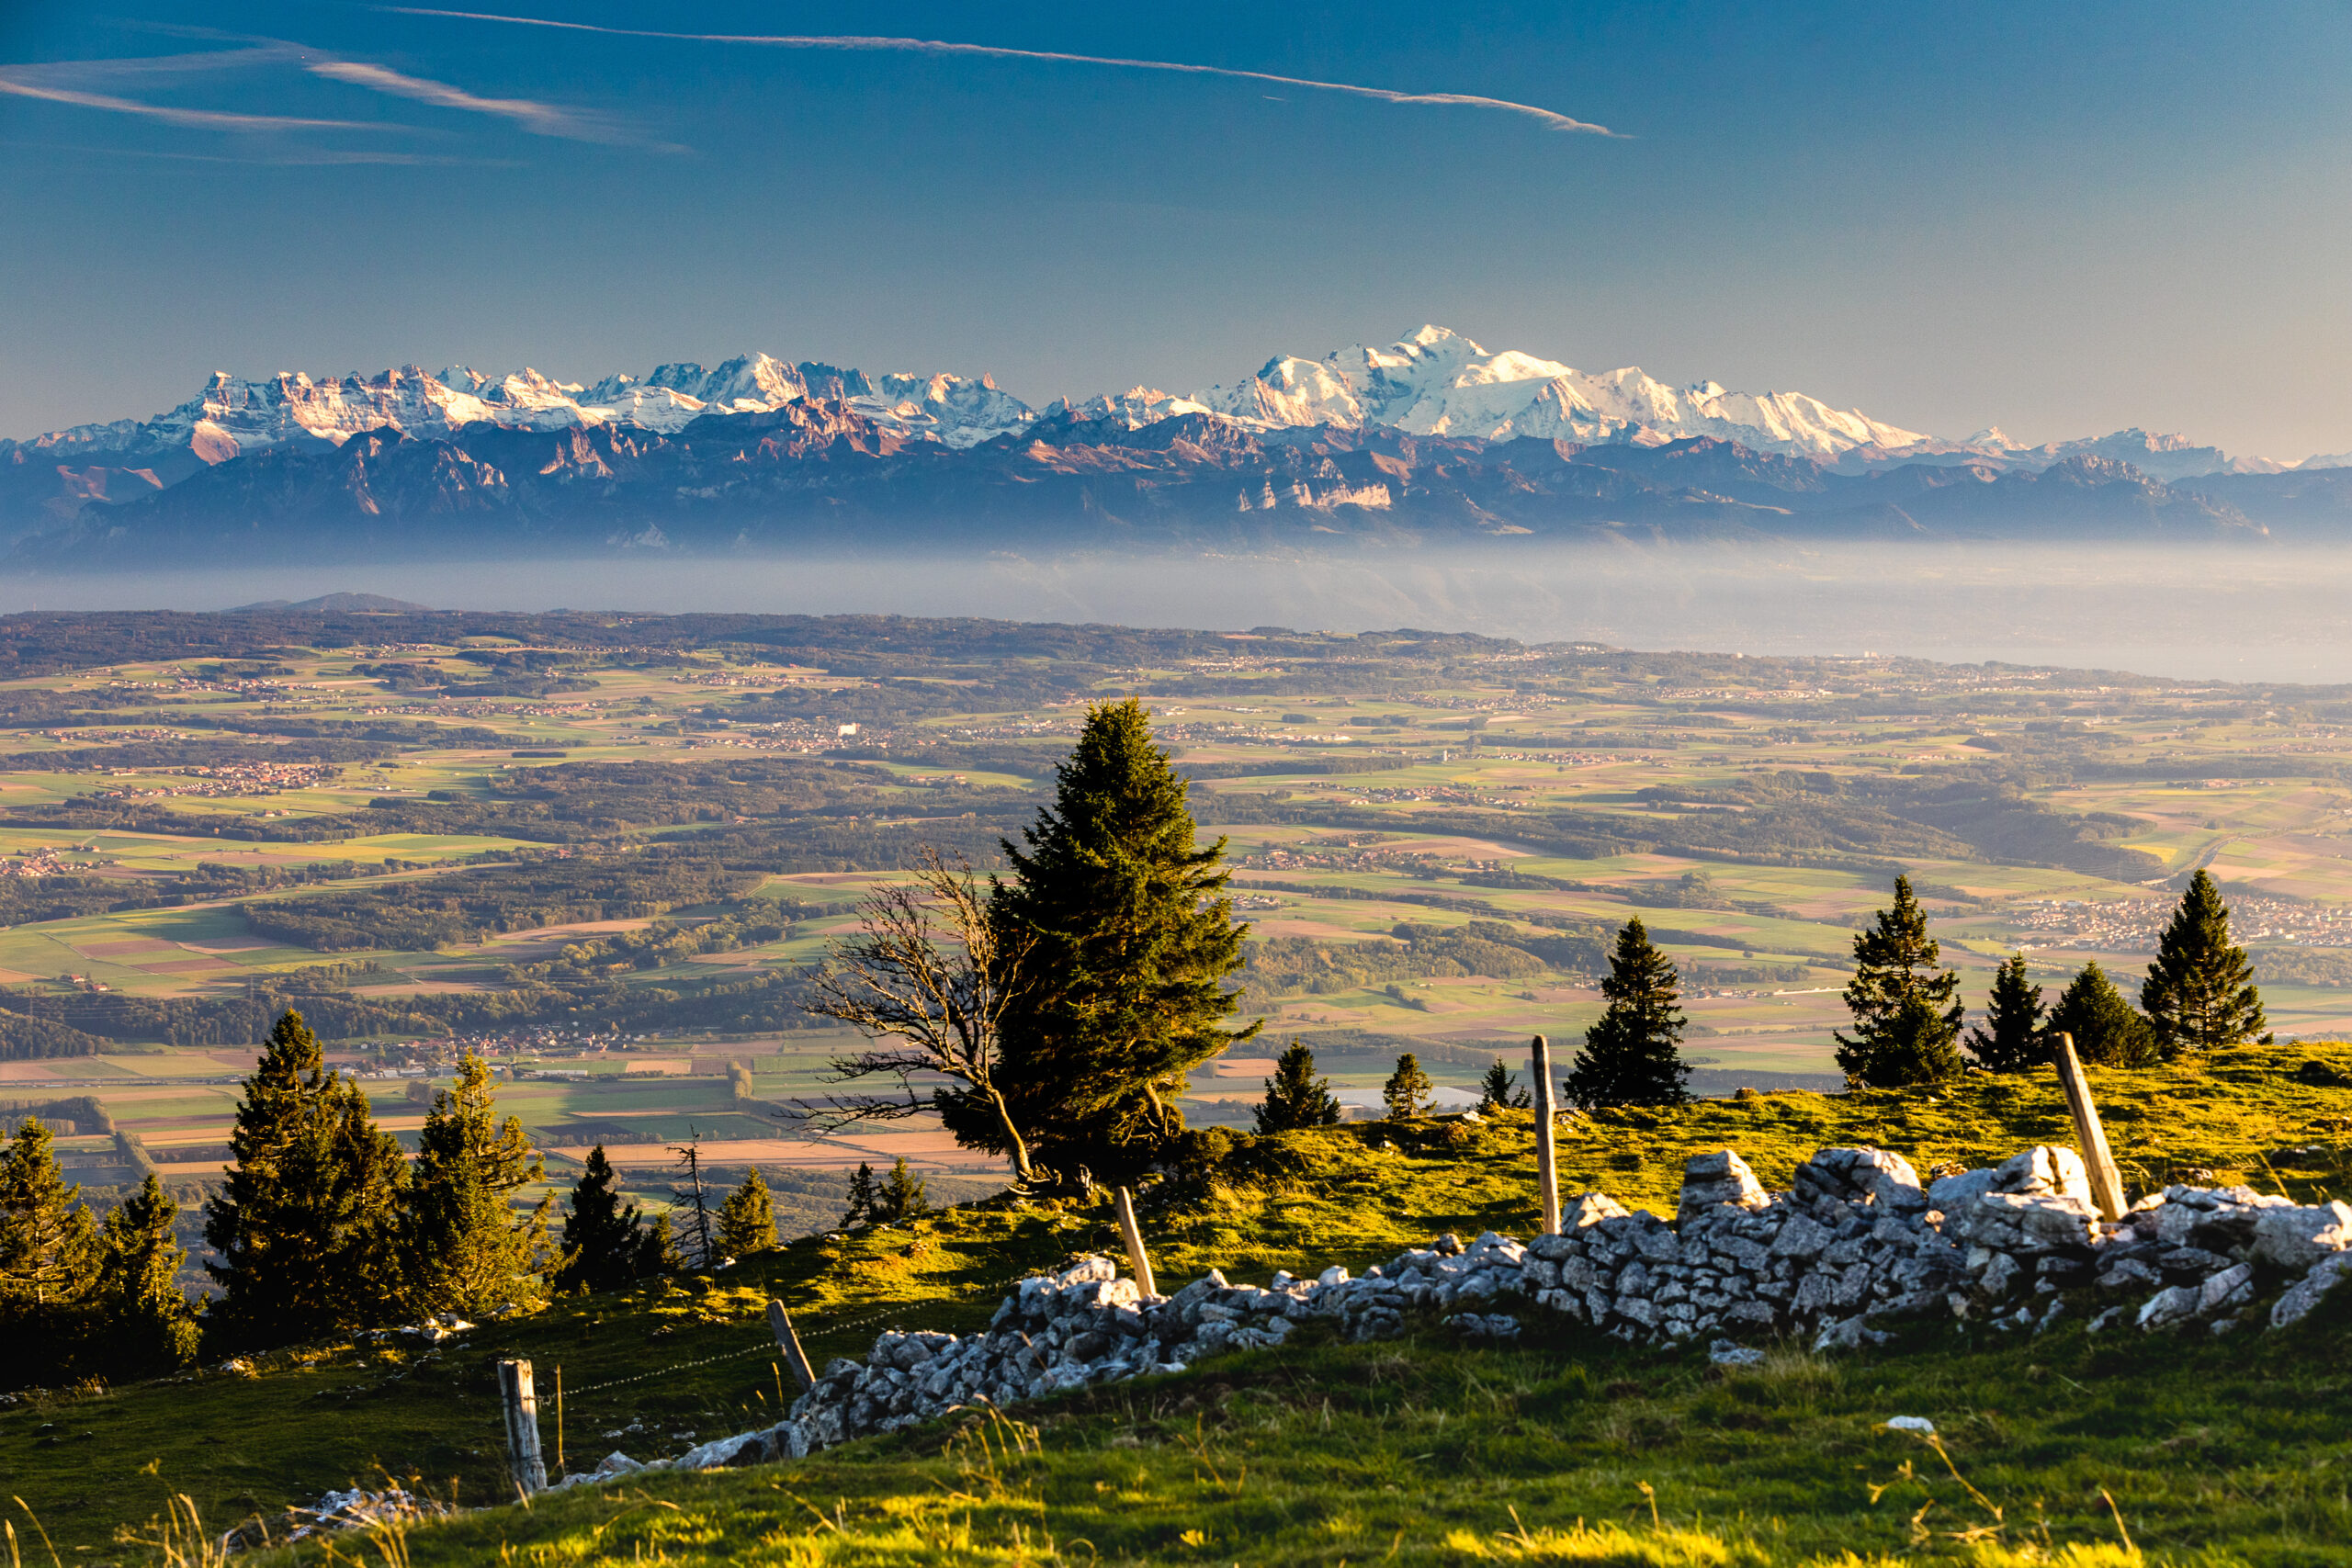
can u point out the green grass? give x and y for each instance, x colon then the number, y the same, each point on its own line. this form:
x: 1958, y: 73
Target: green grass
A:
x: 2239, y: 1443
x: 1422, y: 1451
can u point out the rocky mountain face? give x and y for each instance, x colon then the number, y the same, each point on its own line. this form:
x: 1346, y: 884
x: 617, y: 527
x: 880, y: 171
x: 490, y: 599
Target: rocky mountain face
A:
x: 818, y: 471
x: 1430, y: 436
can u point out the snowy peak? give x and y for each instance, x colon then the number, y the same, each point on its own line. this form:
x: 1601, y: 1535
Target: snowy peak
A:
x: 1434, y: 381
x: 1438, y: 383
x: 233, y: 416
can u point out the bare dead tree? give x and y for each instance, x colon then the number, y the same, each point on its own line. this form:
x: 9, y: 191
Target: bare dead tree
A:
x: 927, y: 980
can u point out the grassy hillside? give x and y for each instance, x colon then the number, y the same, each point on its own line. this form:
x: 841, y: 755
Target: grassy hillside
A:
x: 1408, y: 1452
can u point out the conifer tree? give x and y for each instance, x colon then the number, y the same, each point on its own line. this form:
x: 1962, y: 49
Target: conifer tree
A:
x: 1128, y: 936
x: 306, y: 1227
x: 1296, y: 1097
x: 468, y: 1248
x: 604, y: 1240
x: 862, y: 1197
x: 1632, y: 1054
x: 49, y: 1251
x: 148, y: 1326
x: 657, y: 1249
x: 2199, y: 993
x: 48, y: 1244
x: 1407, y: 1091
x: 2015, y: 1036
x: 747, y: 1220
x: 902, y: 1196
x: 1906, y: 1023
x: 1495, y: 1091
x: 2107, y: 1031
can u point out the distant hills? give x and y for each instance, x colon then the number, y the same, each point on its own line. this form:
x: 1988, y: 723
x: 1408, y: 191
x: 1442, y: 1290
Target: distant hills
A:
x: 1432, y: 439
x: 336, y: 604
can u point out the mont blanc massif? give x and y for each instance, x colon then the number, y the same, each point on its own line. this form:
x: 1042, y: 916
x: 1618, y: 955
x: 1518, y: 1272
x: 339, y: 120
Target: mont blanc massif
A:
x: 1432, y: 439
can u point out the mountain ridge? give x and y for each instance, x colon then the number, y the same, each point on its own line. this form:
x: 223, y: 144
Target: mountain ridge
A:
x: 1432, y: 437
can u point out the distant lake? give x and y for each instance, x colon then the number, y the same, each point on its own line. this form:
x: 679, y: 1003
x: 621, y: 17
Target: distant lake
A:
x: 2237, y: 613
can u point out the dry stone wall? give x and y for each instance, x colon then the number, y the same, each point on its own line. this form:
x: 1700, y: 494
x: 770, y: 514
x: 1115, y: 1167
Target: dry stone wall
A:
x: 1856, y: 1246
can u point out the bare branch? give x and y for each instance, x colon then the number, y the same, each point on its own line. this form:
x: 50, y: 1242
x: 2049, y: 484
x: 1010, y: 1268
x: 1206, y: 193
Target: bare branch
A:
x: 929, y: 970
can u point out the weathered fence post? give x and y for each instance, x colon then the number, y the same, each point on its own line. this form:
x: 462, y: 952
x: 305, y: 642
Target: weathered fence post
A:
x: 1138, y: 1259
x: 559, y: 1466
x: 1548, y: 1158
x: 523, y: 1461
x: 788, y: 1342
x: 2107, y: 1182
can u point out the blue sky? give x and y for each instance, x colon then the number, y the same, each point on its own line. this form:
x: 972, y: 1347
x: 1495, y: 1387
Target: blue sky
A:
x: 2063, y: 219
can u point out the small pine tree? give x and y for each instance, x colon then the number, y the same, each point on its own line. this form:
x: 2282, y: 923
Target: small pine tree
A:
x: 1495, y: 1091
x: 468, y: 1248
x: 1632, y: 1054
x: 747, y: 1220
x: 2015, y: 1036
x: 148, y: 1326
x: 657, y: 1249
x: 1906, y: 1023
x: 2199, y: 993
x: 1294, y: 1095
x: 902, y: 1196
x: 862, y: 1198
x: 306, y: 1227
x: 2107, y: 1031
x: 1407, y: 1091
x: 48, y: 1244
x: 49, y: 1251
x: 604, y: 1242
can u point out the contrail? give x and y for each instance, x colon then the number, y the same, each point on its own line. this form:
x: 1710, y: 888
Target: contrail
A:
x: 927, y: 46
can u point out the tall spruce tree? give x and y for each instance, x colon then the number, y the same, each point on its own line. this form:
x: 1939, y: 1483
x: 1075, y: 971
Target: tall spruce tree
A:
x: 2015, y: 1036
x: 1296, y: 1097
x: 747, y: 1220
x: 1128, y: 936
x: 1497, y: 1091
x: 1407, y: 1093
x: 469, y: 1249
x: 2106, y: 1030
x: 1907, y: 1021
x: 1632, y: 1054
x: 149, y: 1326
x: 604, y: 1238
x: 2199, y: 993
x: 306, y: 1227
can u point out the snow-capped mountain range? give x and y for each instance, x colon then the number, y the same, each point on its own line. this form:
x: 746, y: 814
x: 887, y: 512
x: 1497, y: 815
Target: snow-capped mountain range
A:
x: 1434, y: 383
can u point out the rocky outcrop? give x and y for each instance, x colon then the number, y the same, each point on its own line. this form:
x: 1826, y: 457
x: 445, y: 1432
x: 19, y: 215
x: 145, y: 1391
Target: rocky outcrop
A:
x: 1854, y: 1247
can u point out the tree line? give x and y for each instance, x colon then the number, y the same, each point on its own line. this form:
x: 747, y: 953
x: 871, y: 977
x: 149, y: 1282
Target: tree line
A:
x: 323, y: 1225
x: 2198, y: 995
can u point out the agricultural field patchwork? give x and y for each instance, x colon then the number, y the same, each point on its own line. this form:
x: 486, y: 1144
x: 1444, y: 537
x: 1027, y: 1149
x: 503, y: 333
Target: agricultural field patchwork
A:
x: 603, y: 850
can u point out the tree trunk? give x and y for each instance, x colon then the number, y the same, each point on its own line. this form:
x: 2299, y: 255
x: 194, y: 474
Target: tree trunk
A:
x: 1022, y: 1169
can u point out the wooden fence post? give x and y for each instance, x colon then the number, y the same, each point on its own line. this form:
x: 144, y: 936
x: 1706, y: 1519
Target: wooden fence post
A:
x: 1138, y: 1259
x: 788, y: 1342
x: 523, y: 1461
x: 1547, y: 1157
x: 2107, y: 1182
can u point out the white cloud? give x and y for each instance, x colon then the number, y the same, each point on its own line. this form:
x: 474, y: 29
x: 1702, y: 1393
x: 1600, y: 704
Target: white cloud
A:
x: 1551, y: 118
x: 540, y: 120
